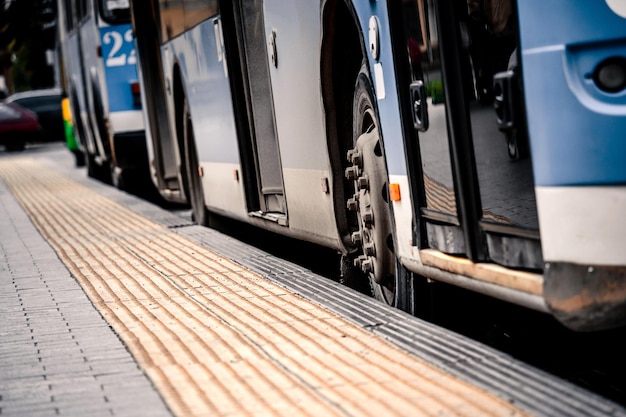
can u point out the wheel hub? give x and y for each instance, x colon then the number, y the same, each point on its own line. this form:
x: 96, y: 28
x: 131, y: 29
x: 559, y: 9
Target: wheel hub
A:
x: 368, y: 174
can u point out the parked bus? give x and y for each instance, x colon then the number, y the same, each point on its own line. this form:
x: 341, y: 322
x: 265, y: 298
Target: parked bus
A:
x: 96, y: 43
x: 477, y: 143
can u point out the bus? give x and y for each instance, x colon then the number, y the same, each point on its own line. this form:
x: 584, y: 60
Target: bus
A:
x: 100, y: 73
x: 477, y: 143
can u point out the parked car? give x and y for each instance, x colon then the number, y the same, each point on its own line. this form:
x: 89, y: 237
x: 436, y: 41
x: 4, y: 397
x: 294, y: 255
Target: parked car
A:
x: 46, y: 103
x: 17, y: 126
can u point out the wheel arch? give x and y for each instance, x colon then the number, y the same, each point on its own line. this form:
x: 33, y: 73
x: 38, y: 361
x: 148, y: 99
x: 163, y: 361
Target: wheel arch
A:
x: 342, y: 54
x: 178, y: 94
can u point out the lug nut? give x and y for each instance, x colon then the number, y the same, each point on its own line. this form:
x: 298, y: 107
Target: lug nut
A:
x: 363, y: 183
x: 356, y: 158
x: 357, y: 238
x: 368, y: 218
x: 369, y: 249
x: 352, y: 173
x: 353, y: 204
x: 367, y: 266
x: 358, y: 262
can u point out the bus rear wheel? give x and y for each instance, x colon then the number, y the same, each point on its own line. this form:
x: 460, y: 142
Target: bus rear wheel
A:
x: 372, y: 235
x: 195, y: 191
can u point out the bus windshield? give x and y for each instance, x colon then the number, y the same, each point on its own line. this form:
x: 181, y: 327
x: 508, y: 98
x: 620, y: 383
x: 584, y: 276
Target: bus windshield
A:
x: 115, y: 12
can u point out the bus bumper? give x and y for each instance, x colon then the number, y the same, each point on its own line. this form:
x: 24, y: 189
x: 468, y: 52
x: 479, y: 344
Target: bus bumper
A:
x: 586, y: 297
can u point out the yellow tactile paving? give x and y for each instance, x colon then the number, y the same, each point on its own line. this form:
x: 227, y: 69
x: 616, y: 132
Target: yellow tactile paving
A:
x: 217, y: 339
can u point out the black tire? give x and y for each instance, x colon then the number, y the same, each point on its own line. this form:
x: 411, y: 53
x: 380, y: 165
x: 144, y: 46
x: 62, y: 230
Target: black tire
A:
x: 194, y: 181
x: 517, y: 144
x: 15, y: 147
x: 390, y: 281
x: 100, y: 172
x: 512, y: 146
x: 79, y: 158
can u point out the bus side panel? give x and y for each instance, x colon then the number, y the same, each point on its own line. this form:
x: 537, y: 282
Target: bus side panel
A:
x: 576, y: 129
x: 118, y: 54
x: 575, y: 122
x: 295, y: 75
x: 578, y: 148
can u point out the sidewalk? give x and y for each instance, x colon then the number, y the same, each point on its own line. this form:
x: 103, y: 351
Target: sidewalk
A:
x: 57, y: 354
x: 219, y: 327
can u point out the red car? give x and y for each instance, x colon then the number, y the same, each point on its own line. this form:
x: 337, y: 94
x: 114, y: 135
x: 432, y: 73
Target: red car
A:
x: 17, y: 126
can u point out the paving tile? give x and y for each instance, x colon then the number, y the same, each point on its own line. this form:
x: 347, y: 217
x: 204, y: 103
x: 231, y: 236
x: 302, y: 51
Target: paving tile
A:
x: 57, y: 354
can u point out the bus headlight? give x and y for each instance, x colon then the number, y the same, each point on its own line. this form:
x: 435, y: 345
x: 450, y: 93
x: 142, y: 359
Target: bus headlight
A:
x: 610, y: 74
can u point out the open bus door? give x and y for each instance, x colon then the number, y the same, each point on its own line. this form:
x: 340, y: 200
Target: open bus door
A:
x: 461, y: 91
x: 249, y: 70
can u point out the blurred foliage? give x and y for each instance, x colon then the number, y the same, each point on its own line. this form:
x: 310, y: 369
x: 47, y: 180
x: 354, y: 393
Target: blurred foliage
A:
x: 27, y: 29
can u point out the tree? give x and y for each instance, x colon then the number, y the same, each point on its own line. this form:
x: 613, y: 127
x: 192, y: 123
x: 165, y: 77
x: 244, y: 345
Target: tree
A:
x: 27, y: 29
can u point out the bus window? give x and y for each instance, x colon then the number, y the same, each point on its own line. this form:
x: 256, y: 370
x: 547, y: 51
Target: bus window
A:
x: 115, y: 11
x: 197, y: 11
x: 172, y: 15
x: 82, y: 10
x: 69, y: 16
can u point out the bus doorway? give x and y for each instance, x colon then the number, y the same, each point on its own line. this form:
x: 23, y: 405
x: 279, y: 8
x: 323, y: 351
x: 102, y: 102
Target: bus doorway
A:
x: 247, y: 29
x: 474, y: 186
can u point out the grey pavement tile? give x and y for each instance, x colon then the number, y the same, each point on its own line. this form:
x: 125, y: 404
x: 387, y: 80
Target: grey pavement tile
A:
x: 71, y: 299
x: 74, y: 357
x: 21, y: 371
x: 60, y: 384
x: 54, y: 336
x: 139, y: 406
x: 27, y: 382
x: 66, y: 368
x: 44, y: 409
x: 25, y: 355
x: 121, y: 383
x: 54, y: 344
x: 89, y: 332
x: 17, y: 340
x: 79, y: 398
x: 105, y: 344
x: 35, y: 394
x: 91, y: 410
x: 49, y: 347
x: 103, y: 364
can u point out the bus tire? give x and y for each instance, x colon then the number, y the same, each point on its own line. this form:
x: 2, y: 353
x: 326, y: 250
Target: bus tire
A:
x: 367, y: 172
x: 194, y: 180
x: 79, y: 158
x: 98, y: 171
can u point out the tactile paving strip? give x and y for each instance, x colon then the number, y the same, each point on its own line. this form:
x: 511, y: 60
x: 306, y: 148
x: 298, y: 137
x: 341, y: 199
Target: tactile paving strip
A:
x: 217, y: 339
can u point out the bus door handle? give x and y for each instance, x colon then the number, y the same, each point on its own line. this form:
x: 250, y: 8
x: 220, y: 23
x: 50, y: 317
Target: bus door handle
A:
x: 420, y: 107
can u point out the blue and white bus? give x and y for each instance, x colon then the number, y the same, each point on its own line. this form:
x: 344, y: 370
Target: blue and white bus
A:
x: 96, y: 42
x: 478, y: 143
